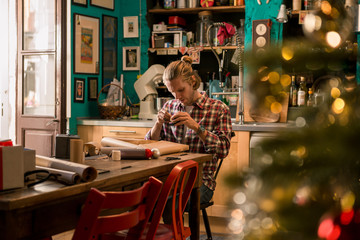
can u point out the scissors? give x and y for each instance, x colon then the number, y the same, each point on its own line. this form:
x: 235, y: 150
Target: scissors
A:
x: 172, y: 158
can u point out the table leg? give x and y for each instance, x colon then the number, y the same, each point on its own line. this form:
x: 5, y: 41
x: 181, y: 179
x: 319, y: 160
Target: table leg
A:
x: 194, y: 214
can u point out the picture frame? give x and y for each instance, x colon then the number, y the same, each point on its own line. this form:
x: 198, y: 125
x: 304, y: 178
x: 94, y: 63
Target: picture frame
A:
x: 131, y: 27
x: 80, y: 2
x: 86, y: 44
x: 92, y: 88
x: 302, y: 15
x: 109, y: 49
x: 131, y: 58
x: 107, y: 4
x: 79, y: 90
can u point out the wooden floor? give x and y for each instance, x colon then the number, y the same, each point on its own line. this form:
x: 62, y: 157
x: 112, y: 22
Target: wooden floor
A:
x: 218, y: 227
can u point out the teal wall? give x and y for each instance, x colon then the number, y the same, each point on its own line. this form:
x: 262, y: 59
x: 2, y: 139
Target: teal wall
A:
x: 122, y: 8
x: 254, y: 11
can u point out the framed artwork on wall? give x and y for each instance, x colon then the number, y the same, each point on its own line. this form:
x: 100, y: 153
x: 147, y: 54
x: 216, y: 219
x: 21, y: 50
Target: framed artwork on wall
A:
x: 80, y: 2
x: 108, y: 4
x: 79, y: 86
x: 86, y: 44
x: 131, y: 27
x: 93, y: 88
x: 131, y: 58
x: 109, y: 49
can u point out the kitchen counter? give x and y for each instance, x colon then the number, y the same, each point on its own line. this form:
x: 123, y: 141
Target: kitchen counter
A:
x: 115, y: 123
x: 249, y: 126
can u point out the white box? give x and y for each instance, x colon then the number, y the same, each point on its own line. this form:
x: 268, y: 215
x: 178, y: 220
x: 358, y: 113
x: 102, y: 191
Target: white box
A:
x: 159, y: 27
x: 12, y: 167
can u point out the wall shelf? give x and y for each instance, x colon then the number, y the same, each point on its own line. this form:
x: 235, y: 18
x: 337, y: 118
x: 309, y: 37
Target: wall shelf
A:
x: 218, y: 9
x: 205, y: 48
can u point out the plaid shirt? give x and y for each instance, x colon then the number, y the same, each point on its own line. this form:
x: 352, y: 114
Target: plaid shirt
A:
x: 215, y: 117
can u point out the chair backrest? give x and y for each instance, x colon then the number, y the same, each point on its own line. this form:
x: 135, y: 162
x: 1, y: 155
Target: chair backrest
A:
x: 140, y: 201
x: 179, y: 185
x: 221, y: 159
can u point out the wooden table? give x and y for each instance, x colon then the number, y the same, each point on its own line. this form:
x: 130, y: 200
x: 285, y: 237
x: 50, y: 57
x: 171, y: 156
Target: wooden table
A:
x: 50, y: 208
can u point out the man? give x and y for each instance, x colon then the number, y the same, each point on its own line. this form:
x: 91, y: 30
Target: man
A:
x: 195, y: 119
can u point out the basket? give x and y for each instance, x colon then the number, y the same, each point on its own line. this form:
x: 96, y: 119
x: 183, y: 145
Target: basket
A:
x: 111, y: 112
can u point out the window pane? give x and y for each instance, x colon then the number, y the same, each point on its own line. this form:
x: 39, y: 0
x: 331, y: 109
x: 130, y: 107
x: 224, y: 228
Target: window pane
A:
x: 39, y: 25
x: 39, y: 85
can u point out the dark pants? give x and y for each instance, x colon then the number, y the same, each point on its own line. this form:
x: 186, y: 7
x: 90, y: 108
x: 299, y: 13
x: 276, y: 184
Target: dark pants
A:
x: 205, y: 196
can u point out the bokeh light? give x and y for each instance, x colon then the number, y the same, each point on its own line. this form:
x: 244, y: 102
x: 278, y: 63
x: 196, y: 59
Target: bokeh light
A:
x: 274, y: 77
x: 276, y: 107
x: 300, y: 122
x: 346, y: 217
x: 347, y: 201
x: 326, y: 7
x: 267, y: 223
x: 338, y: 106
x: 237, y: 214
x: 239, y: 198
x: 267, y: 205
x: 285, y: 80
x: 287, y: 53
x: 333, y: 39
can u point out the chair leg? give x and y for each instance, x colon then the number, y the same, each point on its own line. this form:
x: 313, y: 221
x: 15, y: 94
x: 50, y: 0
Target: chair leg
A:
x: 207, y: 224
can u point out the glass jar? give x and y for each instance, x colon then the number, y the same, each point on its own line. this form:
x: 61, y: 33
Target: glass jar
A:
x: 202, y: 26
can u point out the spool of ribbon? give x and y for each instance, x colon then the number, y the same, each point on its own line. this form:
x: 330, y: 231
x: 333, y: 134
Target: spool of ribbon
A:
x: 207, y: 3
x: 116, y: 155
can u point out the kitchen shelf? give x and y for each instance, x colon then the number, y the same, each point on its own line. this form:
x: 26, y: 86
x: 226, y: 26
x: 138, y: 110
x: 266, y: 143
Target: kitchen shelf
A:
x: 205, y: 48
x: 217, y: 9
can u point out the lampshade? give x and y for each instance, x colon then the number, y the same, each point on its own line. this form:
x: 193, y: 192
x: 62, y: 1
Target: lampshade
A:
x: 282, y: 16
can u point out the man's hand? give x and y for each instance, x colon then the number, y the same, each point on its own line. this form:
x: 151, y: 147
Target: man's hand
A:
x: 183, y: 118
x: 163, y: 116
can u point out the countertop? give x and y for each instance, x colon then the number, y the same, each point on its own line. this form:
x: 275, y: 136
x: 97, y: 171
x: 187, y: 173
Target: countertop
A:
x: 249, y: 126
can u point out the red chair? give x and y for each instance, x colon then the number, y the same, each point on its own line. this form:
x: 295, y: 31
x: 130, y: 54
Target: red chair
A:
x: 178, y: 184
x: 140, y: 201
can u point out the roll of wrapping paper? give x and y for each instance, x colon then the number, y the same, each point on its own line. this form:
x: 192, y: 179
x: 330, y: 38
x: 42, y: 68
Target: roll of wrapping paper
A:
x: 112, y: 142
x: 76, y: 151
x: 129, y: 153
x: 62, y: 175
x: 87, y: 173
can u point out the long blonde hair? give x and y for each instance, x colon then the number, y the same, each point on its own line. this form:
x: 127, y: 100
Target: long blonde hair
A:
x: 182, y: 68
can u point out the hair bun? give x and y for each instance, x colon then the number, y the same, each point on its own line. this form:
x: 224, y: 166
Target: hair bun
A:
x: 187, y: 59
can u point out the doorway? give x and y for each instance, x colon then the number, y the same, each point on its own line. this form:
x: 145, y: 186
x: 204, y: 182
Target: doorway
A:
x: 41, y: 79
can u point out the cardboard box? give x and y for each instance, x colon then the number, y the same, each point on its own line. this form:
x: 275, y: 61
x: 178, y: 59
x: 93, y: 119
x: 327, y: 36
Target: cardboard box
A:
x: 11, y: 167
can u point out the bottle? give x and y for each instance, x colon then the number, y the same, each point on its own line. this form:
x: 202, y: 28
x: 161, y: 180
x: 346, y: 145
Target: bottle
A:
x: 242, y: 31
x: 308, y: 4
x: 202, y: 26
x: 293, y: 93
x: 319, y: 97
x: 302, y: 92
x: 311, y: 100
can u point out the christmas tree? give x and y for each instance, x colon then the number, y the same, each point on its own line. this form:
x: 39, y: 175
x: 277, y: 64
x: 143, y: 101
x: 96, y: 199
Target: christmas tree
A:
x: 305, y: 184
